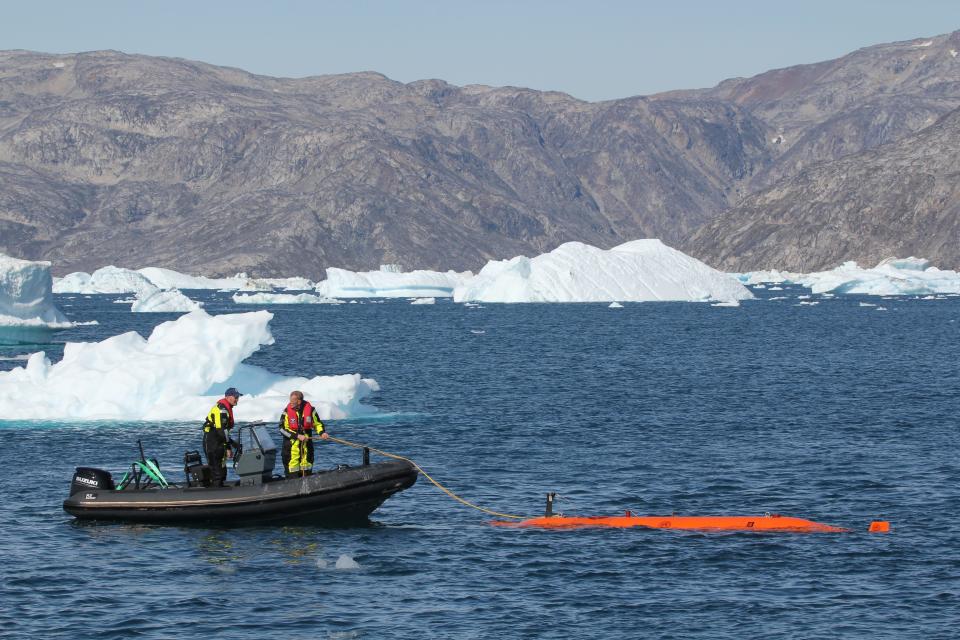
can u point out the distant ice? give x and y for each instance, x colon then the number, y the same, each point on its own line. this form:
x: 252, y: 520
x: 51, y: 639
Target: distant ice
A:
x: 762, y: 277
x: 175, y: 374
x: 423, y: 301
x: 282, y: 298
x: 615, y: 305
x: 157, y: 301
x: 642, y: 270
x: 892, y: 277
x: 731, y: 303
x: 390, y: 282
x: 170, y: 279
x: 111, y: 279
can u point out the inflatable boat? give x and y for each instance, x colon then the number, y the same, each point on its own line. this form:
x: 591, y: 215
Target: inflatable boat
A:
x: 344, y: 495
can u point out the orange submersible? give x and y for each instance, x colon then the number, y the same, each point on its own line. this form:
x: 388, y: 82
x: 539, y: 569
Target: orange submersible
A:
x: 767, y: 522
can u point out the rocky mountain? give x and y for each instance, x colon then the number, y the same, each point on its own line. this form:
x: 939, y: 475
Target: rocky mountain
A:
x: 900, y: 199
x: 132, y: 160
x: 824, y: 111
x: 110, y: 158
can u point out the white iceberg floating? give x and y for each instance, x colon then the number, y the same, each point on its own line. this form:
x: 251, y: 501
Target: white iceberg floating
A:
x: 26, y: 294
x: 169, y: 279
x: 423, y: 301
x: 290, y: 284
x: 731, y: 303
x: 157, y: 301
x: 27, y: 311
x: 642, y: 270
x: 892, y: 277
x: 390, y: 282
x: 175, y: 374
x: 109, y: 279
x: 615, y: 305
x: 771, y: 276
x: 282, y: 298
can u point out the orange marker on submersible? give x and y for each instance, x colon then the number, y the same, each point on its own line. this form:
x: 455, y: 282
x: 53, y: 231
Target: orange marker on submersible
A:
x: 769, y: 522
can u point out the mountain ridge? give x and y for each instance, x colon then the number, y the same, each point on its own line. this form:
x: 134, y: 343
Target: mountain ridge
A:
x: 110, y: 157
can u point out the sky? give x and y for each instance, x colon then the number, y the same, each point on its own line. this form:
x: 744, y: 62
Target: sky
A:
x: 593, y: 50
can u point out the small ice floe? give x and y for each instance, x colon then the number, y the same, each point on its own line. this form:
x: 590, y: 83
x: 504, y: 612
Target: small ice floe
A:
x: 776, y: 289
x: 759, y: 286
x: 803, y: 297
x: 880, y: 309
x: 22, y: 356
x: 867, y: 304
x: 928, y: 298
x: 322, y: 563
x: 726, y: 303
x: 424, y: 301
x: 827, y: 295
x: 777, y: 298
x: 346, y: 562
x: 804, y: 302
x: 615, y: 305
x: 477, y: 331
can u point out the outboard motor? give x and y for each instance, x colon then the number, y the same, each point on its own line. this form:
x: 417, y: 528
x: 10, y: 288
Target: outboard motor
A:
x: 259, y: 456
x: 88, y: 478
x: 198, y: 474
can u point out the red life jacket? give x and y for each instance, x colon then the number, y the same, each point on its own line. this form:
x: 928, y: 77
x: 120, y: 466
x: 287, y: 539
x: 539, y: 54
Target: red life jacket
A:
x: 223, y: 402
x: 293, y: 420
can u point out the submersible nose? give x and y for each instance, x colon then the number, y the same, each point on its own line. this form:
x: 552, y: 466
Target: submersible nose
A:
x: 879, y: 526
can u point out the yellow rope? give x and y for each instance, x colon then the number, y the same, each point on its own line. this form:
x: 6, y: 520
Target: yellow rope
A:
x: 427, y: 476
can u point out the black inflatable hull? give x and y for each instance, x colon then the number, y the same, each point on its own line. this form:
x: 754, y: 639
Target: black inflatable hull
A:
x: 327, y: 498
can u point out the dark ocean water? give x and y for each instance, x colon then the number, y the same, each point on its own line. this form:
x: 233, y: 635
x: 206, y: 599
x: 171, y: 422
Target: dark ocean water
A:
x: 834, y: 412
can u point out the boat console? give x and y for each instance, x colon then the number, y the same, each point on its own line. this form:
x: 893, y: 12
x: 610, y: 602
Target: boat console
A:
x: 256, y: 455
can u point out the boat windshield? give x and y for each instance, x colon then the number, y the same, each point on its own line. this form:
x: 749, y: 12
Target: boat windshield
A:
x: 263, y: 438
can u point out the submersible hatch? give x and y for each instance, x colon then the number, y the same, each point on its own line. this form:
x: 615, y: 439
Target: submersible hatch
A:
x: 345, y: 494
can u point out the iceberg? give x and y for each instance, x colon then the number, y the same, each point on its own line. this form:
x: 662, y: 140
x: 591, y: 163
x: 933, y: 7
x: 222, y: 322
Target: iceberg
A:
x: 27, y: 311
x: 390, y: 282
x: 641, y: 270
x: 169, y: 279
x: 892, y: 277
x: 109, y: 279
x: 282, y: 298
x: 175, y: 374
x: 113, y: 279
x: 290, y: 284
x: 157, y: 301
x: 423, y: 301
x: 26, y: 294
x: 771, y: 276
